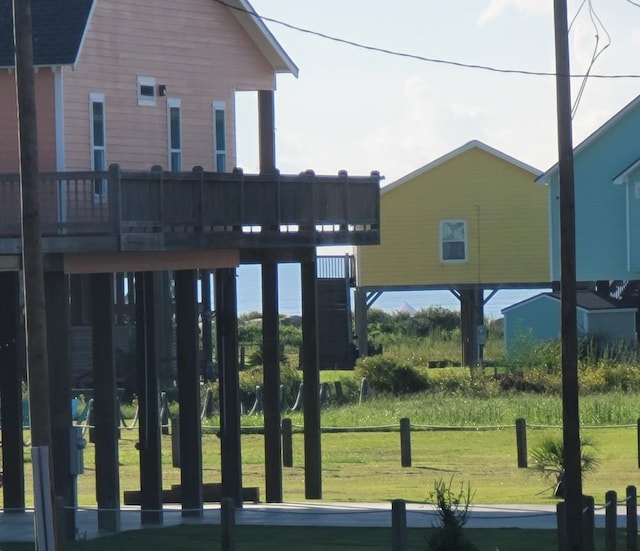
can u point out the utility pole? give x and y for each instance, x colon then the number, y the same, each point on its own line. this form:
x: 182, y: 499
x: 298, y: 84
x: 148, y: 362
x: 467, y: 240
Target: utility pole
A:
x: 570, y: 406
x: 32, y: 265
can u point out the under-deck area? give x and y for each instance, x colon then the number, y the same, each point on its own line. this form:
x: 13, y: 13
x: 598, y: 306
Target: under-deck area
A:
x: 166, y: 229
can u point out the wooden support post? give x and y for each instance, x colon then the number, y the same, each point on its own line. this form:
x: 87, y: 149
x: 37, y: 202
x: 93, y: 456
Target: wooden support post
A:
x: 610, y: 520
x: 271, y: 382
x: 105, y: 403
x: 189, y: 393
x: 638, y: 441
x: 11, y: 376
x: 227, y: 349
x: 287, y: 443
x: 521, y: 443
x: 632, y: 518
x: 311, y: 379
x: 57, y: 299
x: 405, y: 442
x: 399, y: 525
x: 361, y: 322
x: 561, y: 522
x: 175, y: 441
x: 148, y: 402
x: 588, y: 523
x: 207, y: 327
x: 227, y: 525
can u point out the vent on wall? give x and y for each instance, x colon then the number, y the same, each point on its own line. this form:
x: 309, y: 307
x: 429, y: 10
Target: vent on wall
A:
x: 146, y: 91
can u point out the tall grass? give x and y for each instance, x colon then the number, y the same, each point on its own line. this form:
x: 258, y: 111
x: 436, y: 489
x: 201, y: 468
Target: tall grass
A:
x: 442, y: 409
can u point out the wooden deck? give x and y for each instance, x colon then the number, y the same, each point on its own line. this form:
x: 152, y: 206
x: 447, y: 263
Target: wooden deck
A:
x: 156, y: 211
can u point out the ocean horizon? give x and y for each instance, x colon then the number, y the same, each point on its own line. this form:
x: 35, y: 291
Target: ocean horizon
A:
x: 289, y: 295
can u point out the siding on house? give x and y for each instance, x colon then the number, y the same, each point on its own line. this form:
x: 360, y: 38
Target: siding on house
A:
x: 44, y: 84
x: 539, y: 318
x: 606, y: 245
x: 197, y: 49
x: 506, y: 217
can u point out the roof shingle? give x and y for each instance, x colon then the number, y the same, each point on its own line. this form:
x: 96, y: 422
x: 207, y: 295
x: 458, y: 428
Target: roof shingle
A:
x: 58, y: 28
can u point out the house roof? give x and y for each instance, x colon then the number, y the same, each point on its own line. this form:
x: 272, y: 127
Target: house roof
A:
x: 258, y: 32
x: 585, y: 300
x: 594, y: 136
x: 59, y: 27
x: 473, y: 144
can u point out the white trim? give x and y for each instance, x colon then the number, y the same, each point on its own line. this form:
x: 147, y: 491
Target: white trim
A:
x: 594, y: 136
x: 173, y: 103
x: 147, y: 83
x: 628, y: 225
x: 464, y: 240
x: 98, y: 97
x: 455, y: 153
x: 217, y: 106
x: 84, y: 33
x: 58, y: 91
x: 243, y: 11
x: 58, y: 94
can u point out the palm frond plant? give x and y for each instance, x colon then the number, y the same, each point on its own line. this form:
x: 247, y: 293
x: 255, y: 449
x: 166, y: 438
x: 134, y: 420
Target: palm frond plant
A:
x: 549, y: 459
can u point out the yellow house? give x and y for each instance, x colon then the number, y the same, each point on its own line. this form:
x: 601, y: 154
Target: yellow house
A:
x: 470, y: 221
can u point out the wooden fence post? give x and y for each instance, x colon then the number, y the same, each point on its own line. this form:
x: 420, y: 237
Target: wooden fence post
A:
x: 364, y: 390
x: 610, y: 520
x: 521, y: 443
x: 405, y: 442
x: 632, y: 518
x: 398, y: 525
x: 287, y: 443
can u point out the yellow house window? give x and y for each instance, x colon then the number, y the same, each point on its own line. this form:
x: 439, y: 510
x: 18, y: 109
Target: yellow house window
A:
x: 453, y: 240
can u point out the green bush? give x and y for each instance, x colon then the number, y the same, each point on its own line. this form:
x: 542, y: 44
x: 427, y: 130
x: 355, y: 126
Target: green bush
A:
x: 386, y: 375
x: 452, y: 508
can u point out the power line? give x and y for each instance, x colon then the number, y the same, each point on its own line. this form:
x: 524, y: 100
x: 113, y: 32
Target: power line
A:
x: 417, y: 57
x: 597, y: 25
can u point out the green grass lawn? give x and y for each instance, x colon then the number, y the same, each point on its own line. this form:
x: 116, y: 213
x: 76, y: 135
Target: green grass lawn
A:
x: 265, y: 538
x: 364, y: 466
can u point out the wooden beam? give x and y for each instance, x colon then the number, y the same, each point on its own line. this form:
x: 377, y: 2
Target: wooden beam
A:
x: 227, y: 349
x: 148, y: 401
x: 311, y: 380
x: 189, y: 393
x: 11, y: 378
x: 105, y: 403
x: 271, y: 375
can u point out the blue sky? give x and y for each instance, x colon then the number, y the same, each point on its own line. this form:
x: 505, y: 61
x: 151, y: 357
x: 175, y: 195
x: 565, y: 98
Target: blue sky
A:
x: 360, y: 110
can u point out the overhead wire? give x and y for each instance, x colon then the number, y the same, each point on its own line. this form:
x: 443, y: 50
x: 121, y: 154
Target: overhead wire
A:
x: 417, y: 57
x: 597, y: 25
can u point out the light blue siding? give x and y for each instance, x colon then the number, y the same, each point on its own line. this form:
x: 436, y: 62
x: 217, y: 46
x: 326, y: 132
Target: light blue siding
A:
x: 536, y: 319
x: 602, y: 246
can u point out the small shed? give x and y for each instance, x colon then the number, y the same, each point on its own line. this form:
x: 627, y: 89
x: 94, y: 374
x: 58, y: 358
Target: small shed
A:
x: 539, y: 318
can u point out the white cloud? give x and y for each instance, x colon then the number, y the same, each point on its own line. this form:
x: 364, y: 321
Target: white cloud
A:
x: 463, y: 110
x: 497, y: 7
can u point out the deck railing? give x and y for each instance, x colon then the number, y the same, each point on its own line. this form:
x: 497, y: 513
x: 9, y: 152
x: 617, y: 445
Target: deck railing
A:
x: 155, y: 210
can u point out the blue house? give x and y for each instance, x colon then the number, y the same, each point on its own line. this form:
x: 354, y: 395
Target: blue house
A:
x: 607, y: 203
x: 607, y: 214
x: 538, y: 319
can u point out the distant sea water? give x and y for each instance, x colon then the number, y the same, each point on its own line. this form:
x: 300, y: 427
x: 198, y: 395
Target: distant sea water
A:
x: 289, y: 299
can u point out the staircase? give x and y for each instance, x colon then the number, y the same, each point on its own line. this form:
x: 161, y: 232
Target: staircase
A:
x: 336, y: 348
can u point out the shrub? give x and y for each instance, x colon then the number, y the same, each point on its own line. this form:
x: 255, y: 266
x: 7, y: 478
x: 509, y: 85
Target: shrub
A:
x: 452, y: 509
x: 385, y: 374
x: 550, y: 461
